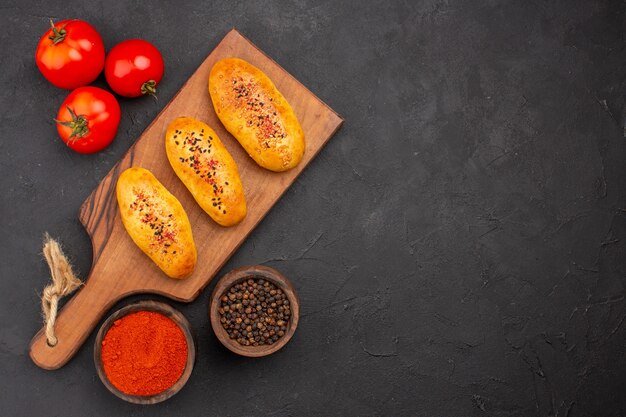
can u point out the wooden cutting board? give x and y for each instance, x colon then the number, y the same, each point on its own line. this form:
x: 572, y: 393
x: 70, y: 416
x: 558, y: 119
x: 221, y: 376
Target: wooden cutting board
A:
x: 119, y: 267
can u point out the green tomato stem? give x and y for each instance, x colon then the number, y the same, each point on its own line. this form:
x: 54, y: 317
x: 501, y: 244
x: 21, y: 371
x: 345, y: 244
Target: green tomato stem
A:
x: 78, y: 124
x: 149, y: 87
x: 58, y: 35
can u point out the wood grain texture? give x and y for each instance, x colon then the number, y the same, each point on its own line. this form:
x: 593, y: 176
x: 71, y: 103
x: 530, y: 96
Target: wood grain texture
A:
x: 119, y: 267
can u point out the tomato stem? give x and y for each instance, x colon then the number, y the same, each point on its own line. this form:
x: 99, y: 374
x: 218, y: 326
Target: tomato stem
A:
x: 149, y: 87
x: 78, y: 124
x: 58, y: 35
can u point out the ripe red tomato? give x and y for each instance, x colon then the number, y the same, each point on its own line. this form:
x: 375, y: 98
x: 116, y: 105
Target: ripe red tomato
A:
x: 134, y: 68
x: 88, y: 119
x: 70, y: 54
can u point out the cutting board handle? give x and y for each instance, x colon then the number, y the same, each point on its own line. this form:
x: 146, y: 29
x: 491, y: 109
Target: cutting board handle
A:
x: 74, y: 323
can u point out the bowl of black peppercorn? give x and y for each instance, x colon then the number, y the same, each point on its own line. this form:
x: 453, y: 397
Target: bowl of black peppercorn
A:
x: 254, y: 310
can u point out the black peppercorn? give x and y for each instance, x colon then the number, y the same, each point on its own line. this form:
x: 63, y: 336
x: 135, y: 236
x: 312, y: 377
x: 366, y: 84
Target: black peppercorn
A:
x: 254, y: 312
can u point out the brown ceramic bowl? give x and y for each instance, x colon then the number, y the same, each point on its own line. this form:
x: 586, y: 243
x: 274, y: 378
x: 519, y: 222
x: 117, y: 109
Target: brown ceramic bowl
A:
x: 243, y: 273
x: 178, y: 318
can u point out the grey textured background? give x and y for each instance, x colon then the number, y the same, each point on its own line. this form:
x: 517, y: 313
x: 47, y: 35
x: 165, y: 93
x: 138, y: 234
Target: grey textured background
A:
x: 458, y: 247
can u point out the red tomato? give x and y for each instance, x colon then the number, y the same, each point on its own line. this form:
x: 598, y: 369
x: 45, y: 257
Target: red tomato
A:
x: 134, y: 68
x: 70, y: 54
x: 88, y: 119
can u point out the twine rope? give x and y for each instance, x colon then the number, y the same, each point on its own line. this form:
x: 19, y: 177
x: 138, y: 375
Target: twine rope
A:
x: 64, y: 282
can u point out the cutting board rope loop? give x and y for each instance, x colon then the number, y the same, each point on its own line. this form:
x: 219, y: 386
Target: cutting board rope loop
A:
x: 64, y: 282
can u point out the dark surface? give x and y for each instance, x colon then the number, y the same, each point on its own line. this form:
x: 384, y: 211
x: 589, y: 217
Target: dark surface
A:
x: 458, y: 247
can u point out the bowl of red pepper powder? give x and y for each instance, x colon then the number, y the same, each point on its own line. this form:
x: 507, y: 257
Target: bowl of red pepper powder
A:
x: 145, y: 352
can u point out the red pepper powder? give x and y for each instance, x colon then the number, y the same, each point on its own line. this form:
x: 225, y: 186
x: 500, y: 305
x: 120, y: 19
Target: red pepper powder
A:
x: 144, y: 353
